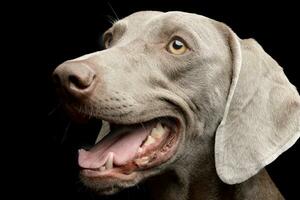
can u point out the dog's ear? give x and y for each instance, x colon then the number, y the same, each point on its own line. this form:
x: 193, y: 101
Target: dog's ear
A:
x: 262, y: 113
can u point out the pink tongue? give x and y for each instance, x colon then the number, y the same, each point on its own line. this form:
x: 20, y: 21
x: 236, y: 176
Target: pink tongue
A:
x: 124, y: 147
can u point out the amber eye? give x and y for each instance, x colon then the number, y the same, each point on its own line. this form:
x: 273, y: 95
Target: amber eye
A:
x: 107, y: 40
x: 177, y: 46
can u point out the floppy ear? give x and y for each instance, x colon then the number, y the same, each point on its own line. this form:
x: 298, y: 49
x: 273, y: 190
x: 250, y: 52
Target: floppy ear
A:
x: 262, y: 113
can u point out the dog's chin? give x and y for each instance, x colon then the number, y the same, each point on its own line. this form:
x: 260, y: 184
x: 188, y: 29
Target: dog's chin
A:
x: 107, y: 170
x: 110, y: 186
x: 107, y: 186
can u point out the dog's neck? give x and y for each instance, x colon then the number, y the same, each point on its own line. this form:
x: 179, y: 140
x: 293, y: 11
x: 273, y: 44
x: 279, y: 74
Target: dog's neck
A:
x: 259, y: 186
x: 200, y: 181
x: 209, y: 186
x: 169, y: 186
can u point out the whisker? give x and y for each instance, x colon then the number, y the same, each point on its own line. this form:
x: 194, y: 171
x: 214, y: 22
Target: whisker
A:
x: 66, y: 132
x: 113, y: 11
x: 54, y: 110
x: 111, y: 19
x: 143, y: 126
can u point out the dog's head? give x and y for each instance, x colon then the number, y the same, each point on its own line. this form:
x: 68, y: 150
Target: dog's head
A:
x: 172, y: 89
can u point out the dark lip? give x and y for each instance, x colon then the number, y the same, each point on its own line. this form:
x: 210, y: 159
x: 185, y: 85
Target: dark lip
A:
x: 113, y: 173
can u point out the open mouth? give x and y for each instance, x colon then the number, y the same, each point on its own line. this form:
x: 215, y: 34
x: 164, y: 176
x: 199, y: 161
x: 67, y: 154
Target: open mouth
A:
x: 127, y: 149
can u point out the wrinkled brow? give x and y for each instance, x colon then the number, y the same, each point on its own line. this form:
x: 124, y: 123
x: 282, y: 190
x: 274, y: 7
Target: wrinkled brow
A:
x: 165, y: 28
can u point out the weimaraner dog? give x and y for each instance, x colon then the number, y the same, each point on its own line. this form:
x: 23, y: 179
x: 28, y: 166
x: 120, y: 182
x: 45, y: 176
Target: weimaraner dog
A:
x: 189, y: 109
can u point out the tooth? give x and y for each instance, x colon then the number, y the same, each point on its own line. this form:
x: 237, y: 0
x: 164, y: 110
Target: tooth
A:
x: 158, y: 131
x: 103, y: 168
x: 109, y: 161
x: 150, y: 140
x: 140, y: 150
x: 105, y: 129
x: 142, y: 161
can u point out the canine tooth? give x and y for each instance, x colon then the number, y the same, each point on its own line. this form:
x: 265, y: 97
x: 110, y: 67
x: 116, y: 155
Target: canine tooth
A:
x: 142, y: 161
x: 150, y: 140
x: 105, y: 129
x: 158, y: 131
x: 109, y: 161
x: 159, y: 125
x: 103, y: 168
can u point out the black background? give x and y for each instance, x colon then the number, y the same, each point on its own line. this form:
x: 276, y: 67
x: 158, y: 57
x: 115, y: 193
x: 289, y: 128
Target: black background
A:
x: 46, y: 34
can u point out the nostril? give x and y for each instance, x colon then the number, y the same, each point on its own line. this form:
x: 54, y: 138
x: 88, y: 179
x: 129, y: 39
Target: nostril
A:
x: 75, y: 78
x: 81, y: 82
x: 77, y: 82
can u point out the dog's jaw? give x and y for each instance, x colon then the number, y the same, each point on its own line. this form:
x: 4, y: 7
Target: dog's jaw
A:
x: 105, y: 173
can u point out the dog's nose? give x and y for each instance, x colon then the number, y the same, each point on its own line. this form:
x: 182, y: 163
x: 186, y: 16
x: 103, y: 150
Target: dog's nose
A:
x: 76, y: 77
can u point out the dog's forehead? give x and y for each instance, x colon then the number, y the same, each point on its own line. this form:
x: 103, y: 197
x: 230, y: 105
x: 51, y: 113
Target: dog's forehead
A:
x: 151, y: 18
x: 141, y: 17
x: 134, y: 23
x: 145, y: 21
x: 155, y: 25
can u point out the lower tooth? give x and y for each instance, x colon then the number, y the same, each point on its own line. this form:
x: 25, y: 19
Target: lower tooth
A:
x: 140, y: 150
x: 110, y: 161
x: 158, y: 131
x: 150, y: 140
x: 142, y: 161
x: 103, y: 168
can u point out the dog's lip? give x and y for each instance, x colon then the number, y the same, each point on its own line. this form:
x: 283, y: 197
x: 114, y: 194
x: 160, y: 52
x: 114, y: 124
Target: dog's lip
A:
x: 128, y: 172
x: 112, y: 174
x: 119, y: 174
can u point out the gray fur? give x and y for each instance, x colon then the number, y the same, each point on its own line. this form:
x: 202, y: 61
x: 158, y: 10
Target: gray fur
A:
x: 237, y: 108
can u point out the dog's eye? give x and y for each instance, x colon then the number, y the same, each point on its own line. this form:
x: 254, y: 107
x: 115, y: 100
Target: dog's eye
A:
x: 177, y: 46
x: 107, y: 40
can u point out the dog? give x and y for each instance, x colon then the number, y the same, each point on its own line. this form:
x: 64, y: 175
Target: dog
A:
x: 188, y: 109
